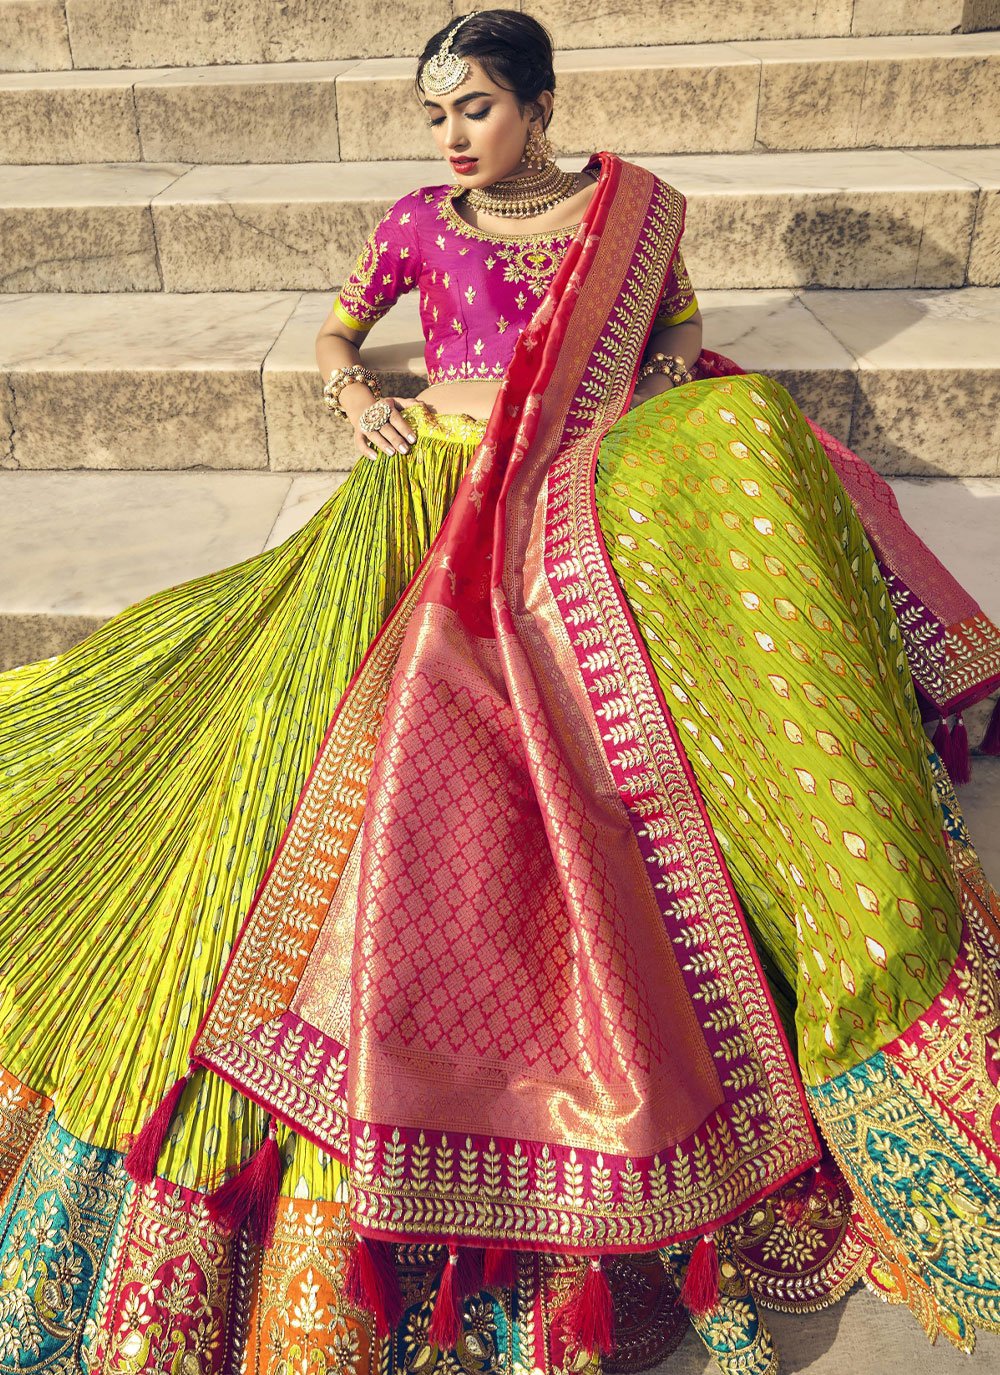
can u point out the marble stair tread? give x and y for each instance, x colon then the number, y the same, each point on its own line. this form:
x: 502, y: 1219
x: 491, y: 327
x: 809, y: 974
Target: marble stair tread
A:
x: 75, y: 548
x: 89, y: 184
x: 91, y: 543
x: 35, y: 34
x: 160, y: 380
x: 383, y: 180
x: 869, y: 218
x: 780, y: 94
x: 790, y: 93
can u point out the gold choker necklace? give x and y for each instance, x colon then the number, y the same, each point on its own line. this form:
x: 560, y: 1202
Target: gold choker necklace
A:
x: 522, y: 197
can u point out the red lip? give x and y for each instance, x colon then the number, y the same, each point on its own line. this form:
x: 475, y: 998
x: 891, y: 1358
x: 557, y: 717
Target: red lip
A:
x: 460, y: 163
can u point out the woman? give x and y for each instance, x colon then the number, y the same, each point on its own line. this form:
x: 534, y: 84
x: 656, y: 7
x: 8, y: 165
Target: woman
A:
x: 621, y: 879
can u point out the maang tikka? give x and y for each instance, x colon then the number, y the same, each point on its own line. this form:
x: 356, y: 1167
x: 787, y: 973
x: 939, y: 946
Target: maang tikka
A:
x: 445, y: 70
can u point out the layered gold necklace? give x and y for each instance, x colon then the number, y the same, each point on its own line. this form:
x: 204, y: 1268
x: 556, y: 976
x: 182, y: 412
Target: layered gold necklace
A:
x: 522, y: 197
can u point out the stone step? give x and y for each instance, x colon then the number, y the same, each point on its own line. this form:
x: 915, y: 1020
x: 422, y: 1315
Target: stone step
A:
x: 75, y: 548
x: 911, y: 379
x: 48, y: 35
x: 89, y: 544
x: 772, y: 94
x: 871, y: 219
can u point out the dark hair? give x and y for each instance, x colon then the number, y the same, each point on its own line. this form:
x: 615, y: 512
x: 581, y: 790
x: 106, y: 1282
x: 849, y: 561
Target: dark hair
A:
x: 514, y: 50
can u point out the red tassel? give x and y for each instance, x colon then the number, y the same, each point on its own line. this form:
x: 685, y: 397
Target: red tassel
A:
x: 795, y: 1208
x: 251, y: 1196
x: 446, y: 1320
x: 470, y: 1271
x: 700, y: 1290
x: 140, y: 1162
x: 959, y: 767
x: 991, y: 740
x: 941, y: 740
x: 589, y: 1318
x: 500, y: 1267
x: 372, y: 1284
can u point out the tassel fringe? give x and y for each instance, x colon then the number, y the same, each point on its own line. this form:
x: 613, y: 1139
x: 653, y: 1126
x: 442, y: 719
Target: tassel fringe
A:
x: 941, y: 740
x: 700, y: 1290
x: 446, y: 1320
x: 991, y: 740
x: 372, y: 1284
x: 251, y: 1196
x: 588, y: 1319
x: 959, y: 765
x: 795, y: 1209
x: 471, y: 1268
x: 144, y: 1152
x: 500, y: 1267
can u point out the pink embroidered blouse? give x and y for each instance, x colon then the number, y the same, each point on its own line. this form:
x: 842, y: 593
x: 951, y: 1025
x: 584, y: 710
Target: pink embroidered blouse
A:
x: 478, y: 289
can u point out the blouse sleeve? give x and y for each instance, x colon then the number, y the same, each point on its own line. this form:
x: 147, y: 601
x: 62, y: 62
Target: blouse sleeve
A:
x: 678, y: 302
x: 387, y: 267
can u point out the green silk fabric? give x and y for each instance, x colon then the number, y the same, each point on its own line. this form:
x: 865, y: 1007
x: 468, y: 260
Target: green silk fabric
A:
x: 148, y: 773
x: 779, y: 655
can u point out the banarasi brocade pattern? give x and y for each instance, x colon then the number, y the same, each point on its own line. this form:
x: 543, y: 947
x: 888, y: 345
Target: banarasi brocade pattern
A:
x: 421, y: 1182
x: 924, y: 1109
x: 954, y: 649
x: 98, y: 1275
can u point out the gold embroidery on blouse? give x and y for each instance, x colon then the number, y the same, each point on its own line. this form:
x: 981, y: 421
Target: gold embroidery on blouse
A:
x: 353, y: 293
x: 532, y: 264
x: 680, y: 303
x: 448, y: 213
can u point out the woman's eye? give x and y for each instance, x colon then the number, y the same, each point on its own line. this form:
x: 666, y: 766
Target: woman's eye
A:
x: 477, y: 114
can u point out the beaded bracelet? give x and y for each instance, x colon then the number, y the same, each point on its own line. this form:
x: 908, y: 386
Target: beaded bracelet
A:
x: 339, y: 379
x: 667, y: 364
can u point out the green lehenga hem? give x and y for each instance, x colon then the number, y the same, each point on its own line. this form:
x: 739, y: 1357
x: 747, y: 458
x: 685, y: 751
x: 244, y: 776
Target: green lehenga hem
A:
x: 149, y: 773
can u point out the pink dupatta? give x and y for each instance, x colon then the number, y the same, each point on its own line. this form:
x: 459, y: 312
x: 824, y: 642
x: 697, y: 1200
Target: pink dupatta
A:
x: 497, y: 966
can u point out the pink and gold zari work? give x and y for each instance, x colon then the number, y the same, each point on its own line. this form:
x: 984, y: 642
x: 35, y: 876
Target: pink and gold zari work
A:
x: 497, y: 966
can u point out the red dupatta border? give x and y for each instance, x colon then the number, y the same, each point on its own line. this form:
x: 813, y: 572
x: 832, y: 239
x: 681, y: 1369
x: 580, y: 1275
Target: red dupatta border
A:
x: 749, y: 1130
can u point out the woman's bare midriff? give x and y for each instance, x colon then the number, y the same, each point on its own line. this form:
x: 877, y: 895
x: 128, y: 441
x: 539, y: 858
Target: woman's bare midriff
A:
x: 473, y: 398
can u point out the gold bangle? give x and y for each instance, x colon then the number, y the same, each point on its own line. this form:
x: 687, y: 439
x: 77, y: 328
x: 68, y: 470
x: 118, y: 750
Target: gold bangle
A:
x: 652, y: 370
x: 341, y: 377
x: 669, y: 365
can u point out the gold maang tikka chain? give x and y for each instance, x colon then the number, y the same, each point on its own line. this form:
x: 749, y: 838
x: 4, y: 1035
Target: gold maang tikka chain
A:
x: 531, y: 194
x: 446, y: 70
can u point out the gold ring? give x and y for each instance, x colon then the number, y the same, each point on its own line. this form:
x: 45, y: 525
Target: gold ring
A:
x: 374, y: 417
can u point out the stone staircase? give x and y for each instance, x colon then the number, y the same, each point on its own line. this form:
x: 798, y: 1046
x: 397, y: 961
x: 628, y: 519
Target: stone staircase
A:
x: 182, y: 186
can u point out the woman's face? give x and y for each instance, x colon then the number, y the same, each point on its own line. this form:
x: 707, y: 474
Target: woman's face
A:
x: 479, y: 129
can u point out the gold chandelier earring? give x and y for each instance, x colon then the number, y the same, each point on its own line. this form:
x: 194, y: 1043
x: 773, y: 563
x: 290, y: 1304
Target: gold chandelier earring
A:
x: 538, y: 150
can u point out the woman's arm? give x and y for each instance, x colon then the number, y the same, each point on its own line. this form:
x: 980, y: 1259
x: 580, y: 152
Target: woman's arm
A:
x: 337, y: 346
x: 387, y: 267
x: 679, y: 341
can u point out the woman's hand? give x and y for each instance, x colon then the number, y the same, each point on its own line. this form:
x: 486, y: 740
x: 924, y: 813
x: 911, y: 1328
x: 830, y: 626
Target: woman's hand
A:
x: 649, y: 387
x: 396, y: 436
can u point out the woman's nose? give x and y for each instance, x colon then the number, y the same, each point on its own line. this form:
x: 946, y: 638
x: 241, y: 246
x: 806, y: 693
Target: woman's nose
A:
x: 456, y: 137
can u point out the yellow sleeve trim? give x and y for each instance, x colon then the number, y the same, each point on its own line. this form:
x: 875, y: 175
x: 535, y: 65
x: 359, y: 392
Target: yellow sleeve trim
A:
x: 347, y: 318
x: 666, y: 321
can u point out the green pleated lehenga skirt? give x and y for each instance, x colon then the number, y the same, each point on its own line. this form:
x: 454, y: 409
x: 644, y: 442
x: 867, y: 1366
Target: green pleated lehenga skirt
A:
x: 146, y: 777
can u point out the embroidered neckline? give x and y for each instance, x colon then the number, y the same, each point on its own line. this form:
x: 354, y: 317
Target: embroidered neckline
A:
x: 447, y: 211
